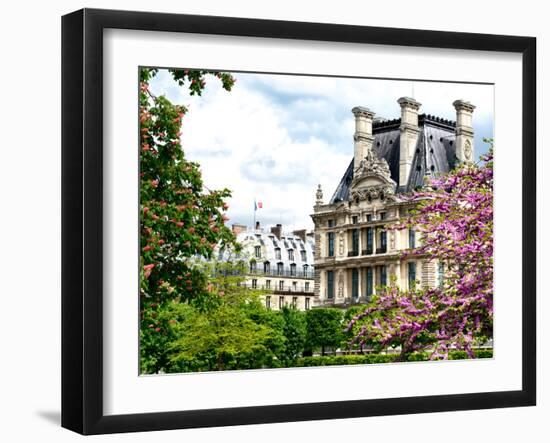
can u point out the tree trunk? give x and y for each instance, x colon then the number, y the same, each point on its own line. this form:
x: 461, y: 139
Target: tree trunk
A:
x: 405, y: 351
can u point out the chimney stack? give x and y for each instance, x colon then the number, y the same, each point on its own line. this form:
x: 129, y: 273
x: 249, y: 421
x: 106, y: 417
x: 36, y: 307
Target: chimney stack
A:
x: 277, y: 230
x: 464, y: 131
x: 257, y: 226
x: 409, y: 132
x: 237, y: 229
x: 300, y: 233
x: 363, y: 138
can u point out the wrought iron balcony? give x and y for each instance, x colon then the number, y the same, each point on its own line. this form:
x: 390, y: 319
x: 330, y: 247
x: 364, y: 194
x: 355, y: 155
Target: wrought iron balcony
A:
x: 382, y: 250
x: 353, y: 253
x: 277, y: 289
x: 298, y: 273
x: 367, y: 251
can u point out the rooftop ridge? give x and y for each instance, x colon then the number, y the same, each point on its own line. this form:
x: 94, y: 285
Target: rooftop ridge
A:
x: 439, y: 121
x: 383, y: 125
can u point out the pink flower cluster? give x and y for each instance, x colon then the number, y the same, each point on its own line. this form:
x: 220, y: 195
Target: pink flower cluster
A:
x: 454, y: 216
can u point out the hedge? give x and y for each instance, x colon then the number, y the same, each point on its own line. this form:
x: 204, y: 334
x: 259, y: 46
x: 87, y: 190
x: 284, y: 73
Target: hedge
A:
x: 341, y: 360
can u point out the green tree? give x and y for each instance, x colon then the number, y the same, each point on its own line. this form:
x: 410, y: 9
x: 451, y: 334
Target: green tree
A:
x: 324, y: 328
x: 295, y: 331
x: 234, y: 331
x: 179, y: 217
x: 225, y: 331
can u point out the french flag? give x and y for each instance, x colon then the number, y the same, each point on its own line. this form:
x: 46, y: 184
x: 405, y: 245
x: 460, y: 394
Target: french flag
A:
x: 258, y: 205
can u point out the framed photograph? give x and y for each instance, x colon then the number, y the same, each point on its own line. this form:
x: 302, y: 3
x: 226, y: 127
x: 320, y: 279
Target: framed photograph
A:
x: 269, y: 221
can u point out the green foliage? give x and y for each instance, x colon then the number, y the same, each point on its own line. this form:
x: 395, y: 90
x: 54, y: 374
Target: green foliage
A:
x: 225, y: 331
x: 295, y: 332
x: 324, y: 328
x: 274, y: 343
x: 365, y: 359
x: 341, y: 360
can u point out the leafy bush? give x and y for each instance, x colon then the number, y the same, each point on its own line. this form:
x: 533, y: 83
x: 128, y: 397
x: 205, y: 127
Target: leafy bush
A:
x: 342, y: 360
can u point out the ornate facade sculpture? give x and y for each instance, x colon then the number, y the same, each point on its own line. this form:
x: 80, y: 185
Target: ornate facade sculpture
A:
x: 340, y: 284
x: 341, y: 243
x: 468, y: 150
x: 392, y: 240
x: 372, y: 179
x: 319, y: 196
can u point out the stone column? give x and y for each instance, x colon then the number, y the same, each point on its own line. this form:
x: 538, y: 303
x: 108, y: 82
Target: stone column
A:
x: 409, y: 132
x: 374, y: 279
x: 363, y: 138
x: 464, y: 131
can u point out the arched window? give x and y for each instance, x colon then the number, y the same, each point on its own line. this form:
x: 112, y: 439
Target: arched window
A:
x: 279, y: 268
x: 306, y: 267
x: 252, y: 266
x: 266, y: 267
x: 293, y: 269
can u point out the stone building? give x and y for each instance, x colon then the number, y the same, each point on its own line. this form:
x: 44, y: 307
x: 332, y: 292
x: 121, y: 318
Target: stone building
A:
x: 354, y: 251
x: 281, y: 263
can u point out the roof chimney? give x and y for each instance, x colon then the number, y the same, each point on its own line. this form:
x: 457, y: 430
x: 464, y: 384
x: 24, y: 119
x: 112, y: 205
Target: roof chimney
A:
x: 257, y: 226
x: 409, y: 132
x: 277, y: 230
x: 237, y: 229
x: 363, y: 137
x: 464, y: 131
x: 300, y: 233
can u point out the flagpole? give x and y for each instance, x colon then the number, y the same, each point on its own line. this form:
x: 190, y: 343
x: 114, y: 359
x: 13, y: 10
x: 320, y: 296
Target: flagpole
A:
x: 254, y: 225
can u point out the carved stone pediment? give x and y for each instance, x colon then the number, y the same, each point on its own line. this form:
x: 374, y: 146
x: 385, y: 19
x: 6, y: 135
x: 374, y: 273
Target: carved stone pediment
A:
x: 372, y: 179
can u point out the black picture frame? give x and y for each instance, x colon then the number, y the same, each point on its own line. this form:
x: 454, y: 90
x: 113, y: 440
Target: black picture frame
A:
x: 82, y: 215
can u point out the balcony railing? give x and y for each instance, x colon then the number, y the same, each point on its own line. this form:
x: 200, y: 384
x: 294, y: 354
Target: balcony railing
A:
x: 286, y: 289
x: 367, y: 251
x: 282, y: 273
x: 353, y: 253
x: 382, y: 250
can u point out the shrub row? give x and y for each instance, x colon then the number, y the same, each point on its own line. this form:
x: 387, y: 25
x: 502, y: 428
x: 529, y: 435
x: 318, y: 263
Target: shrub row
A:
x: 341, y: 360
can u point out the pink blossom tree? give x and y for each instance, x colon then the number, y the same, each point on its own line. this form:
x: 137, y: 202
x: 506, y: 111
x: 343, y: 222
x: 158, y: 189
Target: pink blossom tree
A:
x: 454, y: 217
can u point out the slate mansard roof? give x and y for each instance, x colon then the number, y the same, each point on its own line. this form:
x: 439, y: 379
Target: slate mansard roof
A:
x: 269, y: 243
x: 435, y: 152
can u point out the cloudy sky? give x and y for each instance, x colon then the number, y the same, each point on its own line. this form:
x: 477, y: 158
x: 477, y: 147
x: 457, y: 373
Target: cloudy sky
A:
x: 273, y: 138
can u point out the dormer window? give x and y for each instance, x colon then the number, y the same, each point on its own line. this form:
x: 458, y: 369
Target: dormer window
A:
x: 292, y: 269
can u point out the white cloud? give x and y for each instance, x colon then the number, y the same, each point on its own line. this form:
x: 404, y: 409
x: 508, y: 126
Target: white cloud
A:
x: 275, y: 137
